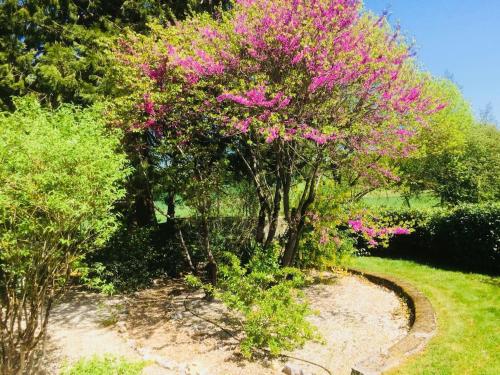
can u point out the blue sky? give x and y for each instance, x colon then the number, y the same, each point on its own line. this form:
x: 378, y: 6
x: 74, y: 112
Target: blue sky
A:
x: 461, y: 37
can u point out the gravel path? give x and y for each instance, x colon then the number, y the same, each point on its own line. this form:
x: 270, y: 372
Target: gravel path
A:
x: 356, y: 319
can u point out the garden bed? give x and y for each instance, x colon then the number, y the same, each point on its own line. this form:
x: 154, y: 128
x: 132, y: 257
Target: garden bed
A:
x: 180, y: 332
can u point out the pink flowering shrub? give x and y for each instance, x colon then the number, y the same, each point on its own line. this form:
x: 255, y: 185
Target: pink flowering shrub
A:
x: 299, y: 90
x: 374, y: 233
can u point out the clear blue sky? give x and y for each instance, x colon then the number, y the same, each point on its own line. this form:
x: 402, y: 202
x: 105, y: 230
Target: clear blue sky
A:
x: 461, y: 37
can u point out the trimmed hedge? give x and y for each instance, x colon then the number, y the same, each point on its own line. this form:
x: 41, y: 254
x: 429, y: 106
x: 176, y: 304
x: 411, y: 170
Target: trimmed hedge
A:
x: 465, y: 237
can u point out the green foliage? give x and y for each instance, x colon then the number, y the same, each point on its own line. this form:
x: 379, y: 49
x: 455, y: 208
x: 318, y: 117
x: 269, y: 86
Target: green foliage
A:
x: 465, y: 236
x: 458, y: 159
x: 482, y: 157
x: 60, y: 176
x: 94, y: 277
x: 334, y: 252
x: 107, y: 365
x: 325, y: 243
x: 267, y: 297
x: 60, y: 48
x: 134, y: 257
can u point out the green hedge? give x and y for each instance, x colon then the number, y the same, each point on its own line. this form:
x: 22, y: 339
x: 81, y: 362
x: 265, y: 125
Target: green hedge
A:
x: 465, y: 237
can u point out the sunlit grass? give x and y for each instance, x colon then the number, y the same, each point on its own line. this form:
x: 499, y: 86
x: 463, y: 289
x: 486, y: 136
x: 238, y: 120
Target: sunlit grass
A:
x: 468, y: 313
x: 391, y: 200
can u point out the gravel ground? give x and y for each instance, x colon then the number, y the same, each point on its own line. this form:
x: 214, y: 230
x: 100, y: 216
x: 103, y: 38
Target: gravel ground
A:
x: 175, y: 329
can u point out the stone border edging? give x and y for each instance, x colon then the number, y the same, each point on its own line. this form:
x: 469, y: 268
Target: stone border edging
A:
x: 422, y: 326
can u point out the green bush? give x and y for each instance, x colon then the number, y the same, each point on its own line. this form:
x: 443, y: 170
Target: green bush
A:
x: 267, y: 296
x: 465, y: 237
x: 107, y: 365
x: 133, y: 258
x: 61, y: 172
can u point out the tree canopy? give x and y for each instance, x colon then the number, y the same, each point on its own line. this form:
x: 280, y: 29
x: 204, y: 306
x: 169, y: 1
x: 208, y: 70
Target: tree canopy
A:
x: 301, y: 90
x: 59, y: 48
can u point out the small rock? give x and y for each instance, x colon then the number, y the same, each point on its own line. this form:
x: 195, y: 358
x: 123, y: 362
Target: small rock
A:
x: 131, y: 344
x: 166, y: 363
x: 160, y: 361
x: 177, y: 316
x: 292, y: 370
x: 121, y: 326
x: 190, y: 369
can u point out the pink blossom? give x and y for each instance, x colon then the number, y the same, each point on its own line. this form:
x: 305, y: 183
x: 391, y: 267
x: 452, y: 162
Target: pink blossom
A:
x: 356, y: 225
x: 256, y: 97
x: 243, y: 125
x: 325, y: 238
x: 273, y: 133
x: 148, y: 105
x: 400, y: 230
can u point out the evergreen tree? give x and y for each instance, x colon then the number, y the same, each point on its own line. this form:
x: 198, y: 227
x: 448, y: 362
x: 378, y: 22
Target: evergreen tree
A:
x: 60, y: 48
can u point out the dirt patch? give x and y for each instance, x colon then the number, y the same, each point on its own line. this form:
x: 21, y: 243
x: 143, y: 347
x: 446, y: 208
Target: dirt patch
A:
x: 183, y: 333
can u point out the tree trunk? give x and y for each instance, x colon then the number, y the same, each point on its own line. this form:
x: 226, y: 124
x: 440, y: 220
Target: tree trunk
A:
x: 297, y: 217
x: 144, y: 209
x: 274, y: 219
x: 185, y: 250
x: 212, y: 265
x: 143, y: 212
x: 261, y: 225
x: 170, y: 202
x: 292, y: 244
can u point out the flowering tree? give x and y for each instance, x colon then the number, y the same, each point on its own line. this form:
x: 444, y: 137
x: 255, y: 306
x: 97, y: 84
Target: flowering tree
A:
x: 301, y: 89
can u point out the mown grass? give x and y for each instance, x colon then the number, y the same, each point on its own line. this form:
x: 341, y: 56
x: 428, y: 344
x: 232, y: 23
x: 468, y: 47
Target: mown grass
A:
x: 468, y: 312
x: 391, y: 200
x: 378, y: 199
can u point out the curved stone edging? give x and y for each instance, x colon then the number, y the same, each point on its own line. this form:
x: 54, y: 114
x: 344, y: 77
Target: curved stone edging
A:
x: 422, y: 326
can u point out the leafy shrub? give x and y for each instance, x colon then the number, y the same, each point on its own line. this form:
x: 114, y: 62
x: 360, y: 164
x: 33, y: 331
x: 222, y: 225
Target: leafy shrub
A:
x: 94, y: 276
x: 317, y: 251
x: 466, y: 236
x: 324, y: 243
x: 133, y: 258
x: 107, y: 365
x: 60, y: 176
x: 267, y: 296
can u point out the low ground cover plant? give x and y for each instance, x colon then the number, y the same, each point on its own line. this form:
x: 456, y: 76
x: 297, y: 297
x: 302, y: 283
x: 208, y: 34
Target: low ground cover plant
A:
x: 106, y: 365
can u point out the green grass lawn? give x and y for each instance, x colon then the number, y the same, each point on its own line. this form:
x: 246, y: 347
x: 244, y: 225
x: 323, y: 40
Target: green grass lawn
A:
x: 377, y: 199
x: 181, y: 211
x: 468, y: 313
x: 390, y: 199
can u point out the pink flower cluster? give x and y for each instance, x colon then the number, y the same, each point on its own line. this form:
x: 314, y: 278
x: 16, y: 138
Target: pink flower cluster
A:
x: 316, y: 135
x: 300, y: 62
x: 372, y: 233
x: 257, y: 98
